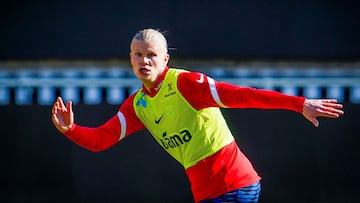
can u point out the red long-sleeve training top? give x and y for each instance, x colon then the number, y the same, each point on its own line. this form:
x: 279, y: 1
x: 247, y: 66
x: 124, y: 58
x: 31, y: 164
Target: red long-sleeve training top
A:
x: 194, y: 87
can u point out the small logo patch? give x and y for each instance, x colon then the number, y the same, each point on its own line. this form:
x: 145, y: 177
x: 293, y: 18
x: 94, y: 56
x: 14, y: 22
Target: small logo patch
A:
x: 141, y: 101
x: 157, y: 121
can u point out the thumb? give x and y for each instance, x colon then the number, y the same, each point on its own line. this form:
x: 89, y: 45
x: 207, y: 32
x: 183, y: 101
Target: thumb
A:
x: 315, y: 122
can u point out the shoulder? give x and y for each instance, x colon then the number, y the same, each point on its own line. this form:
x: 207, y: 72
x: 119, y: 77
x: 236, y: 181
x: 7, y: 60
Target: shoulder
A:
x: 192, y: 77
x: 128, y: 103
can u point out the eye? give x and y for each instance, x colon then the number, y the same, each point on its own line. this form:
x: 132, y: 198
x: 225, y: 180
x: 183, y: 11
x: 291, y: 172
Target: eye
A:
x: 151, y: 55
x: 137, y: 54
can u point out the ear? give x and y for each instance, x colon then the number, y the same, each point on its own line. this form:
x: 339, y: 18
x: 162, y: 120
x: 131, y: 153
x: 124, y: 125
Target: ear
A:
x: 166, y: 58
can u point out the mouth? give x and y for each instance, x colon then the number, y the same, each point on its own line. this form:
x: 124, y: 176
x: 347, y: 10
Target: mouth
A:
x: 144, y: 70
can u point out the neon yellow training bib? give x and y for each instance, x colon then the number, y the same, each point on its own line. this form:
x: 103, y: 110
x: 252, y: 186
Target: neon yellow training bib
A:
x: 186, y: 134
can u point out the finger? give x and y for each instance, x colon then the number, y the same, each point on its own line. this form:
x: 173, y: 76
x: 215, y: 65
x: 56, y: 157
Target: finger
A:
x: 55, y: 119
x: 55, y: 107
x: 61, y: 103
x: 333, y: 105
x: 328, y: 114
x: 58, y: 99
x: 329, y: 100
x: 331, y: 110
x: 69, y: 106
x: 54, y: 110
x: 337, y: 111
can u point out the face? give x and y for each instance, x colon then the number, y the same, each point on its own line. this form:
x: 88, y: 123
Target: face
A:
x: 148, y: 59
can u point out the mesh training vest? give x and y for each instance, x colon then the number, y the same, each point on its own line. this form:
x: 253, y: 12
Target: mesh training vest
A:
x: 186, y: 134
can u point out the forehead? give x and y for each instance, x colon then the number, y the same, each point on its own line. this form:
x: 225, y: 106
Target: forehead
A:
x: 147, y: 45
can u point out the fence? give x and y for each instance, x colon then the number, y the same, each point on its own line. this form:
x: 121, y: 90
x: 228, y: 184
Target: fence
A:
x: 94, y: 85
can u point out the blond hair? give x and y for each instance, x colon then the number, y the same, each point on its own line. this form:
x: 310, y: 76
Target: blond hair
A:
x: 151, y: 35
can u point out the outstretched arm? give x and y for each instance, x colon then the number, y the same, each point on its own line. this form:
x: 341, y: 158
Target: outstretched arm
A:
x: 94, y: 139
x: 314, y: 108
x: 229, y: 95
x: 202, y: 92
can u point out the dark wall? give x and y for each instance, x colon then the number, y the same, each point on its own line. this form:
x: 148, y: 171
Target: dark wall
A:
x: 297, y: 161
x: 197, y: 29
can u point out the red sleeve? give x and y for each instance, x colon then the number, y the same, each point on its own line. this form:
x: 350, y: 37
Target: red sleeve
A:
x: 103, y: 137
x: 195, y: 87
x: 246, y: 97
x: 133, y: 123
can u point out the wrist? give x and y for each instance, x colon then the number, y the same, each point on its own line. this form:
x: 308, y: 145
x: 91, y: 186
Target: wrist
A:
x: 67, y: 129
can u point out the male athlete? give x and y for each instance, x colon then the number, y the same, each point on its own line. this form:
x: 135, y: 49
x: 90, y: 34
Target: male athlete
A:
x: 181, y: 109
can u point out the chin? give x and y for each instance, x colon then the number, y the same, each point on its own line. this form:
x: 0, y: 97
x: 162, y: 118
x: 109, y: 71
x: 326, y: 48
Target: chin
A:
x: 144, y: 78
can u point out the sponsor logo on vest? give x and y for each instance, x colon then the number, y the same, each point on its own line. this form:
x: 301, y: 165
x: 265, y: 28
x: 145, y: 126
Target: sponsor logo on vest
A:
x: 175, y: 140
x: 170, y: 90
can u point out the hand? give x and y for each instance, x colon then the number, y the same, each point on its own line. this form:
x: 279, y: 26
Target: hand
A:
x: 62, y: 116
x: 314, y: 108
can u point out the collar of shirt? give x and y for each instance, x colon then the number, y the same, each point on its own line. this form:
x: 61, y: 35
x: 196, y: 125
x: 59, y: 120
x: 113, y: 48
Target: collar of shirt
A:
x: 155, y: 88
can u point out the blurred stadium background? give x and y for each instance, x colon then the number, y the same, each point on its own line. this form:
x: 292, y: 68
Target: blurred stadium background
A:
x: 79, y: 50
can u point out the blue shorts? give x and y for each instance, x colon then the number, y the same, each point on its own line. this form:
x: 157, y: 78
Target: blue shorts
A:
x: 249, y: 194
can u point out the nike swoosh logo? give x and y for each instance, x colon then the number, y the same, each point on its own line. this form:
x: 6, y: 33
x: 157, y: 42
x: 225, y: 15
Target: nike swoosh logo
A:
x: 201, y: 80
x: 157, y: 121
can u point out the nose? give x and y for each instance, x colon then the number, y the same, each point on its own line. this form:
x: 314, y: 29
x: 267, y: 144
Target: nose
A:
x: 144, y: 60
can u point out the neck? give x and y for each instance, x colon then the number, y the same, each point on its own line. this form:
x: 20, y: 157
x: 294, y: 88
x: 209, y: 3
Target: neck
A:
x: 152, y: 87
x: 148, y: 86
